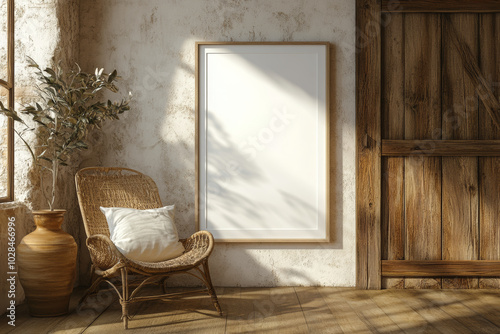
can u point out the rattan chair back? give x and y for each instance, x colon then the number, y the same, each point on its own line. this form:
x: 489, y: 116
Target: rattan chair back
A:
x: 112, y: 187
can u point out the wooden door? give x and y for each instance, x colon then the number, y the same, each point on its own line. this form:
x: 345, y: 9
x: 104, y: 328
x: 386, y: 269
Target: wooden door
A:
x: 428, y: 191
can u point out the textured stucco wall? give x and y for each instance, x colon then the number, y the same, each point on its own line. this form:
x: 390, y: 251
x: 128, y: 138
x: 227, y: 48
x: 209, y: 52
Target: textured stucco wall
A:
x: 47, y: 31
x: 152, y: 44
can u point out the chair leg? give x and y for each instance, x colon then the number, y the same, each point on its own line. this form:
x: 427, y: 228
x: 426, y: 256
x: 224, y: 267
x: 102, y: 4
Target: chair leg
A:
x: 124, y: 300
x: 210, y: 287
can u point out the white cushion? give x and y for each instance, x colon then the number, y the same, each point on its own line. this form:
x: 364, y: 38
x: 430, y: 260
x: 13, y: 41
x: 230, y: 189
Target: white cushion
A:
x: 144, y: 235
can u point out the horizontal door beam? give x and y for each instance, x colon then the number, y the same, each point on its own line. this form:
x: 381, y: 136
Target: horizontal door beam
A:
x: 441, y: 148
x: 403, y: 268
x: 440, y: 6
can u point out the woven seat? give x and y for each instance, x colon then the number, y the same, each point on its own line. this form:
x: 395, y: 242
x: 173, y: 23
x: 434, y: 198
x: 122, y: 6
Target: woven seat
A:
x: 123, y: 187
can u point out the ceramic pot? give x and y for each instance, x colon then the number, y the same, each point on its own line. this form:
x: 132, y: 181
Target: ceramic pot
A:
x: 46, y: 261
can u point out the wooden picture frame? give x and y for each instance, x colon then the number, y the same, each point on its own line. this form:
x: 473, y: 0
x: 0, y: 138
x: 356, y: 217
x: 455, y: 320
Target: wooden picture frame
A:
x: 262, y: 141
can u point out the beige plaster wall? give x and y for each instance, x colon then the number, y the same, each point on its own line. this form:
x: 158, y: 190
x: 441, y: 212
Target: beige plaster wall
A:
x: 152, y: 44
x: 47, y: 31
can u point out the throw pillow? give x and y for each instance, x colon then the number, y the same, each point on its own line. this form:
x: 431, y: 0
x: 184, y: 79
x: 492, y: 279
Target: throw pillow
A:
x: 144, y: 235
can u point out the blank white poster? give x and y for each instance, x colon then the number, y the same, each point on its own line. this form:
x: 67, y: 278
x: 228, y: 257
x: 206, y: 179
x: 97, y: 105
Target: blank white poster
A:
x: 263, y: 113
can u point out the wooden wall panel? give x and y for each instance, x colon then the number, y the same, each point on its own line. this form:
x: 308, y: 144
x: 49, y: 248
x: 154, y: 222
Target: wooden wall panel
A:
x: 489, y: 168
x: 460, y: 215
x: 393, y: 229
x: 460, y: 185
x: 368, y: 142
x: 415, y: 89
x: 422, y: 121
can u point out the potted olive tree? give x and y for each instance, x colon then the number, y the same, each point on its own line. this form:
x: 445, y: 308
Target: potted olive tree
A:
x: 69, y: 104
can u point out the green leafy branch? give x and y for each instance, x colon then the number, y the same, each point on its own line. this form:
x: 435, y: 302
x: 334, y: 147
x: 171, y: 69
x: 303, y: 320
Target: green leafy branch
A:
x: 69, y: 106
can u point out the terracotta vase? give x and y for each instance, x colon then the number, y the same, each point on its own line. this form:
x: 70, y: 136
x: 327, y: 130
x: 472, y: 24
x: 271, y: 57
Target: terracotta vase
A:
x: 46, y: 261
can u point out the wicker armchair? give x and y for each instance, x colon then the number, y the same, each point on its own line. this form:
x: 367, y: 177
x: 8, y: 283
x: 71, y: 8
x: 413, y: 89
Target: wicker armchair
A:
x: 122, y: 187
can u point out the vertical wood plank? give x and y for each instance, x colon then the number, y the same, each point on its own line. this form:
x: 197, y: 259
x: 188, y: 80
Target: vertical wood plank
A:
x: 368, y: 142
x: 460, y: 184
x: 393, y: 128
x: 460, y: 216
x: 489, y: 168
x: 423, y: 121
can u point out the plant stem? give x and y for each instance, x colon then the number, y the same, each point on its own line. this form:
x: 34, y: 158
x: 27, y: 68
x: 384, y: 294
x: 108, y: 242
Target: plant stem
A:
x: 55, y: 166
x: 43, y: 189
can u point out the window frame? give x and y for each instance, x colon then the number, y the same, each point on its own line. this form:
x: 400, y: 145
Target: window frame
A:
x: 9, y: 85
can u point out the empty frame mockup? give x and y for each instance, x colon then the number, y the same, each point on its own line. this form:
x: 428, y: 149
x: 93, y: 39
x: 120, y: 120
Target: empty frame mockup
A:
x: 262, y: 141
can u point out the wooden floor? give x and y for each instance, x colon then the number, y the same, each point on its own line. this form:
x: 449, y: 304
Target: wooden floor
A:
x: 282, y: 310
